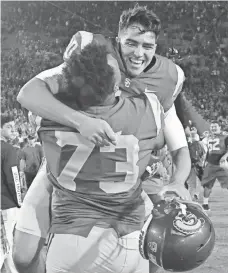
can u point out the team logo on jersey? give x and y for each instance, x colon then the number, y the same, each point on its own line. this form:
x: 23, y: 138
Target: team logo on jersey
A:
x: 127, y: 82
x: 187, y: 223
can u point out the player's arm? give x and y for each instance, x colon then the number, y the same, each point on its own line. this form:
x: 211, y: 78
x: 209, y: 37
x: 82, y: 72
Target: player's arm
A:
x: 33, y: 225
x: 37, y: 96
x: 177, y: 145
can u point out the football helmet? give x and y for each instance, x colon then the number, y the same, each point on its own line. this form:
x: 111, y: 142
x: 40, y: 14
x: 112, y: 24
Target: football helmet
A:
x: 177, y: 236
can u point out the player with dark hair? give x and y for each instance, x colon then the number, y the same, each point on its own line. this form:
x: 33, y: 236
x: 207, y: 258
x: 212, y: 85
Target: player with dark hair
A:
x: 142, y: 72
x: 88, y: 79
x: 217, y: 153
x: 96, y: 198
x: 10, y: 188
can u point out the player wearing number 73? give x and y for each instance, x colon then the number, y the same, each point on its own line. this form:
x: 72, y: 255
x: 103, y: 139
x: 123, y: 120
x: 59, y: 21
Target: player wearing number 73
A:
x: 97, y: 208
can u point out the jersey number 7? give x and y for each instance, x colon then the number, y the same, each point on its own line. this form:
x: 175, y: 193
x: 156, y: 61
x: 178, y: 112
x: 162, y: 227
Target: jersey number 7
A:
x: 115, y: 173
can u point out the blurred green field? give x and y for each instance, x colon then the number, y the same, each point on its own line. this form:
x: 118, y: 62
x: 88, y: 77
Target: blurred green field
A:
x: 218, y: 261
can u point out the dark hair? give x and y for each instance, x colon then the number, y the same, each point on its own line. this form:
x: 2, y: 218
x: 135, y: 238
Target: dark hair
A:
x: 5, y: 118
x: 89, y: 78
x: 215, y: 122
x: 30, y: 137
x: 143, y: 16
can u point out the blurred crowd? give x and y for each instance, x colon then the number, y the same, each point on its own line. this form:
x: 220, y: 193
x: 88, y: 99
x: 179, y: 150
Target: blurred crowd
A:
x: 194, y: 34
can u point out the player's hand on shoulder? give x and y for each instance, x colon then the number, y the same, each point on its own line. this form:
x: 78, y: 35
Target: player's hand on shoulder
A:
x: 175, y: 189
x: 98, y: 131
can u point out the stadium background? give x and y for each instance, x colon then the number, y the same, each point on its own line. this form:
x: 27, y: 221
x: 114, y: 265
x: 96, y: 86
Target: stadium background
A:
x: 194, y: 35
x: 34, y: 35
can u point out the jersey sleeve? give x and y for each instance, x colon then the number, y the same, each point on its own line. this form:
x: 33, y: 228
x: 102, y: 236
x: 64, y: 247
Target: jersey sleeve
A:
x: 186, y: 111
x: 158, y: 111
x: 180, y: 81
x: 83, y: 38
x: 77, y: 43
x: 53, y: 78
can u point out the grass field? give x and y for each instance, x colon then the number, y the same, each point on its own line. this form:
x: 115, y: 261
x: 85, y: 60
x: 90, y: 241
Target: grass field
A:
x: 218, y: 261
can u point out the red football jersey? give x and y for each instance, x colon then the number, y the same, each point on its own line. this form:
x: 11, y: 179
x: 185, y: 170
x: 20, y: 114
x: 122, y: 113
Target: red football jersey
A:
x: 217, y: 146
x: 95, y: 185
x: 163, y: 78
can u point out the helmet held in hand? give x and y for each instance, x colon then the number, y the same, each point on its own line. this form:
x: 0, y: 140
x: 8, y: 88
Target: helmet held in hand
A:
x: 178, y: 236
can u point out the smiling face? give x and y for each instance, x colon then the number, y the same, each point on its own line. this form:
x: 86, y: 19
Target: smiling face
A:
x: 215, y: 128
x: 137, y: 48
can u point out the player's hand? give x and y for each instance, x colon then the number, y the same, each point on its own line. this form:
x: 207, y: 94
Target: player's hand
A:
x: 223, y: 163
x: 98, y: 132
x: 175, y: 189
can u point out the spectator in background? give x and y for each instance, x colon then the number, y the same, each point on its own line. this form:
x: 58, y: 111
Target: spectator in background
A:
x: 197, y: 154
x: 30, y: 159
x: 10, y: 196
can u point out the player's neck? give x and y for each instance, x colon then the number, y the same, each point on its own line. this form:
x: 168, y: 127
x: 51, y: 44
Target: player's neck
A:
x: 110, y: 100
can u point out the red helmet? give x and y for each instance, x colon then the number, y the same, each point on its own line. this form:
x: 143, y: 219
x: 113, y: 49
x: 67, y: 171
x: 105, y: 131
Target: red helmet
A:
x: 177, y: 236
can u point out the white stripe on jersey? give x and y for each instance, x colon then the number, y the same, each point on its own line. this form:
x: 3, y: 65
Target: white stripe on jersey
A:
x: 180, y: 79
x: 78, y: 41
x: 157, y: 110
x: 51, y: 77
x: 86, y: 38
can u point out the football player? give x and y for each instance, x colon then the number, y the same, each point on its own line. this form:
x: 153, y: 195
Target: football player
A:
x: 141, y: 71
x: 217, y: 153
x: 97, y: 208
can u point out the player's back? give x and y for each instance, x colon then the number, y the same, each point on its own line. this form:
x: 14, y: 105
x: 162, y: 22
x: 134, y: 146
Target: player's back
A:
x: 216, y: 148
x: 102, y: 185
